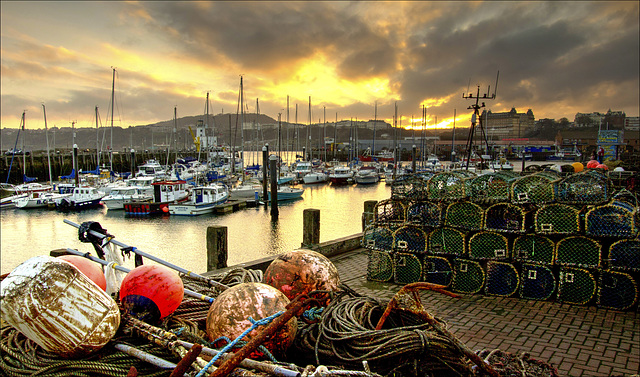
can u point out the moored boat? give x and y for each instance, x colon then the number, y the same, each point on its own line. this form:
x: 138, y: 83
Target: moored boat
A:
x: 367, y: 175
x: 83, y: 197
x: 119, y: 196
x: 164, y: 193
x: 204, y: 199
x: 341, y: 175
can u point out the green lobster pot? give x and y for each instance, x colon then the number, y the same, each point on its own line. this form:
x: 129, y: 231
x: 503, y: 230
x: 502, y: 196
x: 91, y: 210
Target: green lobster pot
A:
x: 464, y: 215
x: 616, y: 219
x: 468, y: 276
x: 389, y: 212
x: 410, y: 239
x: 534, y: 249
x: 380, y: 266
x: 490, y: 188
x: 575, y: 286
x: 409, y: 187
x: 505, y: 217
x: 588, y: 187
x: 488, y: 246
x: 437, y: 270
x: 616, y: 290
x: 407, y: 268
x: 578, y: 251
x: 533, y: 189
x: 625, y: 255
x: 447, y: 241
x: 557, y: 219
x: 502, y: 279
x: 536, y: 282
x: 377, y: 238
x: 425, y: 213
x: 446, y: 186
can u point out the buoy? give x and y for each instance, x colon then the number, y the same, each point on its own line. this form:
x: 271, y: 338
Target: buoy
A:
x: 165, y: 209
x: 229, y: 315
x: 577, y: 167
x: 91, y: 269
x: 55, y: 305
x: 592, y: 164
x: 618, y: 168
x: 302, y: 271
x: 602, y: 166
x: 151, y: 292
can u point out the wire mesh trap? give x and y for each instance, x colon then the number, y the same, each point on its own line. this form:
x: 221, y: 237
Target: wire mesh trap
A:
x: 488, y: 246
x: 407, y: 268
x: 537, y: 282
x: 616, y: 290
x: 502, y: 279
x: 389, y: 212
x: 379, y: 266
x: 557, y: 219
x: 575, y: 286
x: 409, y: 187
x: 447, y: 241
x: 506, y: 217
x: 615, y: 219
x: 588, y: 187
x: 533, y: 248
x: 468, y: 276
x: 437, y: 270
x: 578, y: 251
x: 464, y: 215
x: 447, y: 186
x: 425, y: 213
x: 533, y: 189
x: 377, y: 238
x: 625, y: 255
x: 490, y: 188
x: 410, y: 239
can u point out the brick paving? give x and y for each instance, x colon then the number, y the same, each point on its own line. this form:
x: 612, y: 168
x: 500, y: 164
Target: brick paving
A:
x: 578, y: 340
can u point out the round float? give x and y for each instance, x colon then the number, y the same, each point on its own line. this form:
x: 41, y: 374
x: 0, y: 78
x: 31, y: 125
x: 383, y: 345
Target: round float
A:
x: 577, y: 167
x: 91, y: 269
x: 592, y: 164
x: 151, y: 292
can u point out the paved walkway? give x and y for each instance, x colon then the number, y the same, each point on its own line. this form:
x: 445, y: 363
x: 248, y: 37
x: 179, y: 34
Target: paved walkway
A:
x: 578, y: 340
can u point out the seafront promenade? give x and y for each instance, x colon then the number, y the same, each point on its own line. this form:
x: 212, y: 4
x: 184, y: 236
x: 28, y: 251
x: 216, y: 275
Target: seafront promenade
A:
x: 577, y: 340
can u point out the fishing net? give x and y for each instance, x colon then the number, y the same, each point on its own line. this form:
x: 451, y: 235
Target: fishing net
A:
x: 447, y: 241
x: 437, y: 270
x: 575, y: 286
x: 468, y: 276
x: 557, y: 219
x: 532, y: 189
x: 407, y: 268
x: 389, y: 212
x: 379, y: 266
x: 616, y: 219
x: 588, y: 187
x: 409, y: 187
x: 625, y: 255
x: 533, y: 248
x: 377, y: 238
x: 490, y: 188
x: 425, y: 213
x: 616, y: 290
x: 446, y: 186
x: 410, y: 239
x: 488, y: 246
x: 464, y: 215
x: 508, y: 364
x: 502, y: 279
x: 506, y: 217
x: 578, y: 251
x: 536, y: 282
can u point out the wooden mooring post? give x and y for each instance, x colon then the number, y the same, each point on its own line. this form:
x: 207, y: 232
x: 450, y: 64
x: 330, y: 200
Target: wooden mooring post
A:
x: 310, y: 227
x: 217, y: 247
x: 367, y: 215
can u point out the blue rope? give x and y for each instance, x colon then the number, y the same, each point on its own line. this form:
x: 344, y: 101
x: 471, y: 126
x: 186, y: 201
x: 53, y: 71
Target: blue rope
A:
x: 313, y: 313
x: 254, y: 324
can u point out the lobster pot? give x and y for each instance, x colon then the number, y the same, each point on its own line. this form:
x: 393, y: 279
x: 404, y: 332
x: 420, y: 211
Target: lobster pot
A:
x: 464, y: 215
x: 447, y: 241
x: 409, y: 187
x: 575, y: 286
x: 488, y: 246
x: 377, y: 238
x: 437, y: 270
x: 616, y: 290
x: 616, y: 219
x: 532, y: 189
x: 55, y: 305
x: 588, y: 187
x: 533, y: 248
x: 468, y: 276
x: 502, y: 279
x: 407, y: 268
x: 425, y: 213
x: 536, y: 282
x: 446, y: 186
x: 389, y: 212
x: 557, y: 219
x: 380, y: 266
x: 410, y: 239
x: 578, y: 251
x: 505, y: 217
x: 490, y: 188
x: 625, y: 255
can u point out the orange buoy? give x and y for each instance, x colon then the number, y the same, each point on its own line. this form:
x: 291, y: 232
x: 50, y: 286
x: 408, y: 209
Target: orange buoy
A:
x: 151, y: 292
x: 91, y: 269
x: 302, y: 271
x: 592, y: 164
x: 602, y: 166
x: 577, y: 167
x: 229, y: 315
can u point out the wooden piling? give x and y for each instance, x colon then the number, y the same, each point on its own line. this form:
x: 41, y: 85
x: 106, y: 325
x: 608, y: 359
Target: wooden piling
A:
x: 367, y: 215
x: 311, y: 226
x: 217, y: 247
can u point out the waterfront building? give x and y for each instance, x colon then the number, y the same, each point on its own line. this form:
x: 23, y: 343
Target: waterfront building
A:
x: 507, y: 125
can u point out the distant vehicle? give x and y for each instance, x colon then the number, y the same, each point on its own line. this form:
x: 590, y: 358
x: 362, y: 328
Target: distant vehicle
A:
x: 16, y: 152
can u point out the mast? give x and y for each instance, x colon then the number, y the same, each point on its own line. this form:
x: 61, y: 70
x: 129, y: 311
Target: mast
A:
x: 335, y: 137
x: 97, y: 142
x: 309, y: 132
x: 324, y: 132
x: 453, y: 137
x: 73, y: 143
x: 113, y: 95
x: 46, y: 130
x: 242, y: 127
x: 24, y: 155
x: 375, y: 122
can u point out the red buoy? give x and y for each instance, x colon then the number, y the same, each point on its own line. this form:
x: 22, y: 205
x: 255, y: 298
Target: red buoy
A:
x: 592, y: 164
x: 151, y: 292
x: 602, y: 166
x: 90, y: 269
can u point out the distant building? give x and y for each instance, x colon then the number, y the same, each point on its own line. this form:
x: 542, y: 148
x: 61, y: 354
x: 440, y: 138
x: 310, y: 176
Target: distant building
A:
x: 632, y: 124
x: 507, y: 125
x: 588, y: 119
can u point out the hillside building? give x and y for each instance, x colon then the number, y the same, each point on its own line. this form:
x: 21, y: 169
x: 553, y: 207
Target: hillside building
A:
x: 507, y: 125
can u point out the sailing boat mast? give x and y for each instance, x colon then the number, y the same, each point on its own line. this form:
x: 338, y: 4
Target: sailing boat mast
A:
x: 113, y: 96
x: 308, y: 133
x: 46, y: 130
x: 24, y: 155
x: 97, y: 143
x: 241, y: 128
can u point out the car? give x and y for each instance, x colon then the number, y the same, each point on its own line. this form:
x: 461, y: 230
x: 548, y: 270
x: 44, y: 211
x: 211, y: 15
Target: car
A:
x: 19, y: 152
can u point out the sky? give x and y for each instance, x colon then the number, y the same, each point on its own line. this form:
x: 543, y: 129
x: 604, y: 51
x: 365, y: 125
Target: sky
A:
x: 345, y: 58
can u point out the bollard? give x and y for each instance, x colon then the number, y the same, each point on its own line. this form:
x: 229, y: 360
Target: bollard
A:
x: 367, y: 215
x: 310, y: 227
x: 216, y: 247
x: 273, y: 160
x: 265, y: 174
x: 413, y: 159
x: 523, y: 159
x: 133, y: 162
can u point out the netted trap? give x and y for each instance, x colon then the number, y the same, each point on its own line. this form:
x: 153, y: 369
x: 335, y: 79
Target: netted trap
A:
x: 389, y: 211
x: 377, y: 238
x: 490, y: 188
x: 502, y: 279
x: 578, y: 251
x: 464, y: 215
x: 557, y: 219
x: 437, y: 270
x: 409, y: 187
x: 446, y: 186
x: 532, y: 189
x: 616, y: 290
x: 488, y: 246
x: 506, y: 217
x: 380, y: 266
x: 625, y: 255
x: 468, y: 276
x: 447, y: 241
x: 575, y: 286
x: 615, y: 219
x: 407, y: 268
x: 533, y: 248
x: 425, y: 213
x: 537, y: 282
x: 410, y: 239
x: 588, y: 187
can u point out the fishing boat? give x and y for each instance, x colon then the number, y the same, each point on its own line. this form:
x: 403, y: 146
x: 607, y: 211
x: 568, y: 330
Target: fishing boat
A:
x: 204, y: 199
x: 341, y: 175
x: 302, y: 168
x: 247, y: 190
x: 151, y: 168
x: 164, y: 193
x: 367, y: 175
x: 315, y: 177
x: 119, y: 196
x: 83, y: 197
x: 287, y: 193
x: 383, y: 156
